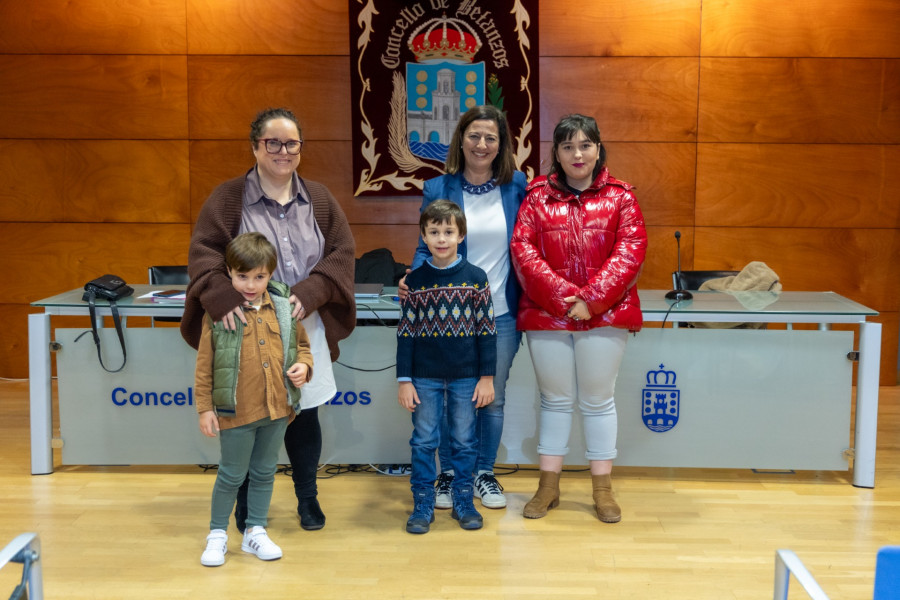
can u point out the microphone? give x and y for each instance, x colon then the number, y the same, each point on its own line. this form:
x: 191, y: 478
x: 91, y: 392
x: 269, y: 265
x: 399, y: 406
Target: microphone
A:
x: 679, y: 294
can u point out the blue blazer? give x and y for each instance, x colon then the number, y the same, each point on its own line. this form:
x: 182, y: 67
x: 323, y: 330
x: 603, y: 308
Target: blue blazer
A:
x: 449, y: 187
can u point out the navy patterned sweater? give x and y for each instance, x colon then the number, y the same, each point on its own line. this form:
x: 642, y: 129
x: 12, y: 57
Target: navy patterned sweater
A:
x: 446, y: 328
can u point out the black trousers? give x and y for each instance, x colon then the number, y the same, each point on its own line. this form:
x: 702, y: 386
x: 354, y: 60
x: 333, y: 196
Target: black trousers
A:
x: 303, y: 443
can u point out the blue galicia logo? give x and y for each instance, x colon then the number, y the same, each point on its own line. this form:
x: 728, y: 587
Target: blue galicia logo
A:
x: 660, y: 401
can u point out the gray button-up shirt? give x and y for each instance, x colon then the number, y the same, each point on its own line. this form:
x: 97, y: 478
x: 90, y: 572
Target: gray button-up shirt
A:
x: 291, y: 228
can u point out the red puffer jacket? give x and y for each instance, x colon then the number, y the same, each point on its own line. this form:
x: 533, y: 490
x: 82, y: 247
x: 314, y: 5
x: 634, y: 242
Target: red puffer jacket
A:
x: 591, y: 247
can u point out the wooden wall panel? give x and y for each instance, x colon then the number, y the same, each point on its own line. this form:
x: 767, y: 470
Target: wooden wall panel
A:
x: 89, y: 27
x: 661, y: 259
x: 621, y: 93
x: 94, y: 181
x: 890, y: 347
x: 401, y: 240
x: 150, y: 102
x: 663, y: 175
x: 14, y: 346
x: 212, y: 162
x: 802, y: 28
x: 858, y: 263
x: 275, y: 27
x: 796, y: 185
x: 610, y: 28
x: 226, y: 93
x: 69, y: 254
x: 93, y: 97
x: 799, y: 100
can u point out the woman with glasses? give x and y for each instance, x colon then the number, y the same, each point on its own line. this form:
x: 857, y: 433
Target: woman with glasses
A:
x: 578, y: 247
x: 315, y: 258
x: 482, y: 179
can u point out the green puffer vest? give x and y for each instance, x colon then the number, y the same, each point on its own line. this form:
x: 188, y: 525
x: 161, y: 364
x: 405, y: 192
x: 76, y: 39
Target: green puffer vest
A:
x: 227, y: 356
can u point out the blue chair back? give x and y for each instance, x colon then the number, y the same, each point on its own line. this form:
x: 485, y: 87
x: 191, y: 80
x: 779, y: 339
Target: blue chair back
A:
x: 887, y: 574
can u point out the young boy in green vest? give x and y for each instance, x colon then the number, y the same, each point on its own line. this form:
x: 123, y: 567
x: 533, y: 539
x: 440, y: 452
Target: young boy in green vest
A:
x: 247, y: 388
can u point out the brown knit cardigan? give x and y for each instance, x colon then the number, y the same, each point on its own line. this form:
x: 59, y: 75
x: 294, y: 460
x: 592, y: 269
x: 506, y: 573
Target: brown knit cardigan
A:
x: 328, y: 289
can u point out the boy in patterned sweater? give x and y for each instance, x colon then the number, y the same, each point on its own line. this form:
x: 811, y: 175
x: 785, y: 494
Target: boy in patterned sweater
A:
x: 446, y: 352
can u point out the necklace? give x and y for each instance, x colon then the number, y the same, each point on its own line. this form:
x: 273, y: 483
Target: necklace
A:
x: 478, y: 190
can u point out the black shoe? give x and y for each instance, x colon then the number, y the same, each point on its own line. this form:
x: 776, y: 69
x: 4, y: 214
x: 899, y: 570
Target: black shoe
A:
x: 311, y: 515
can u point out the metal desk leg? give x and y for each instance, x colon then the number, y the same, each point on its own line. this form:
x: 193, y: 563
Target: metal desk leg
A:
x: 867, y: 404
x: 40, y: 393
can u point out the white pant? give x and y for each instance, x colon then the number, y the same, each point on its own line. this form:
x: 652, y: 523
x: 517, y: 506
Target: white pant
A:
x: 581, y: 365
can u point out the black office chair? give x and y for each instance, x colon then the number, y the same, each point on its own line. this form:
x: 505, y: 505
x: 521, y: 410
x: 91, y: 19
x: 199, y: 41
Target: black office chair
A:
x: 167, y: 275
x: 691, y: 280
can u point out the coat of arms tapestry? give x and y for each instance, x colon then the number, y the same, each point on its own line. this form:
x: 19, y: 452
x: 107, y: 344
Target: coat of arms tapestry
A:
x: 417, y: 66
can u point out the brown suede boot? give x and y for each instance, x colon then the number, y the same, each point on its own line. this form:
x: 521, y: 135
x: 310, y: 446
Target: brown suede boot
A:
x: 546, y: 497
x: 607, y: 509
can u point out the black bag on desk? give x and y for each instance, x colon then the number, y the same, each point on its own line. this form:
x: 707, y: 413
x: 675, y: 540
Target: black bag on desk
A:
x: 110, y: 288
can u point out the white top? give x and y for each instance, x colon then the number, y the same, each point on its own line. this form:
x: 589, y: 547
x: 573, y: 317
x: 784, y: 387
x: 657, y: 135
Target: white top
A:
x: 487, y: 244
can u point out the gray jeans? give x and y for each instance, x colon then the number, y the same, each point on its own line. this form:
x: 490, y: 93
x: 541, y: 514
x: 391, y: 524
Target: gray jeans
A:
x: 578, y: 366
x: 253, y: 449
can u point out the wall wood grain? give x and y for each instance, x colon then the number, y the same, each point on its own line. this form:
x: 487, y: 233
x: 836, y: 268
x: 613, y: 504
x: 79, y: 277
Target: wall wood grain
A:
x: 855, y: 29
x: 69, y: 254
x: 622, y: 93
x: 800, y: 100
x: 93, y: 97
x: 762, y: 131
x: 798, y: 185
x: 94, y: 181
x: 226, y: 92
x: 281, y: 27
x: 610, y: 28
x: 78, y: 27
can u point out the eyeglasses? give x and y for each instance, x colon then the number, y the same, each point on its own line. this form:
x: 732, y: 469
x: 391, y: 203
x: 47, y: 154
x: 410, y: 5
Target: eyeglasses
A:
x: 274, y: 146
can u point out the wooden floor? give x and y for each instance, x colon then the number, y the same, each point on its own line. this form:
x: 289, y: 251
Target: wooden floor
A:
x: 137, y: 533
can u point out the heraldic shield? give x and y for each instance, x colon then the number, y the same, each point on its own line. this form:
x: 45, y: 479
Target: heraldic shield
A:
x: 437, y: 94
x: 660, y: 400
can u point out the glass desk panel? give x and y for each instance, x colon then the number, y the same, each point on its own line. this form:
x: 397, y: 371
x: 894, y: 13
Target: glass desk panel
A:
x: 755, y: 307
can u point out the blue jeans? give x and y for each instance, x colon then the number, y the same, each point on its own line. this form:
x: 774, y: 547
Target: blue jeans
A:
x: 427, y: 418
x: 251, y: 448
x: 489, y: 427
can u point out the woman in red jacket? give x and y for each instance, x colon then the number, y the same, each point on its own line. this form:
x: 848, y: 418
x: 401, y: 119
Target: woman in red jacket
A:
x: 577, y: 248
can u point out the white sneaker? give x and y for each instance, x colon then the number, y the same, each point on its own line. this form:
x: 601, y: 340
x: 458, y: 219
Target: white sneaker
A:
x: 442, y: 489
x: 256, y: 541
x: 216, y: 547
x: 489, y: 490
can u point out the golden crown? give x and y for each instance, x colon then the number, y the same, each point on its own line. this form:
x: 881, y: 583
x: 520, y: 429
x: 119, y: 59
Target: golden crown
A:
x: 444, y: 38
